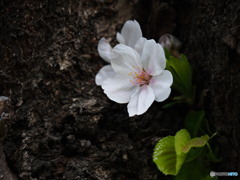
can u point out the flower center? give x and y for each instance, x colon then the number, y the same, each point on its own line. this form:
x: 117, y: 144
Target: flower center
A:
x: 141, y: 77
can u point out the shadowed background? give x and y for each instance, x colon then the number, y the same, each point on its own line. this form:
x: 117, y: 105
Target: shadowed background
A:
x: 62, y: 126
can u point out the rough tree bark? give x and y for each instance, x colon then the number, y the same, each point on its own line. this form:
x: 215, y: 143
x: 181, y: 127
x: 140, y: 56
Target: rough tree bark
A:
x: 62, y: 126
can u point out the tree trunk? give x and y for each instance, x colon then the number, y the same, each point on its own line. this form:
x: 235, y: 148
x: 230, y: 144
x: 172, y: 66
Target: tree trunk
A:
x: 62, y: 126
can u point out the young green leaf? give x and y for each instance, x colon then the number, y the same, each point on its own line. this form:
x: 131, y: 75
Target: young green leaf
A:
x: 193, y: 121
x: 167, y: 53
x: 197, y: 170
x: 182, y: 137
x: 165, y: 156
x: 182, y: 75
x: 171, y: 152
x: 168, y: 155
x: 193, y: 154
x: 195, y: 142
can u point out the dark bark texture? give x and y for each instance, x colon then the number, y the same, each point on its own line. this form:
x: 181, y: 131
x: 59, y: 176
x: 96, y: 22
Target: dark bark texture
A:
x: 60, y: 125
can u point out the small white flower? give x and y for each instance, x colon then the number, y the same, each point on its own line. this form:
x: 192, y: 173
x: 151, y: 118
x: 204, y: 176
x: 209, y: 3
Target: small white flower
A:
x: 138, y: 76
x: 131, y: 35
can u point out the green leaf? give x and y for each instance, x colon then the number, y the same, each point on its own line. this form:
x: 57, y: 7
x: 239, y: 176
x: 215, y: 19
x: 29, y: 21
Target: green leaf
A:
x: 182, y: 75
x: 167, y: 53
x: 165, y: 156
x: 171, y: 152
x: 193, y: 154
x: 168, y: 155
x: 195, y: 142
x: 193, y: 121
x: 197, y: 170
x: 182, y: 137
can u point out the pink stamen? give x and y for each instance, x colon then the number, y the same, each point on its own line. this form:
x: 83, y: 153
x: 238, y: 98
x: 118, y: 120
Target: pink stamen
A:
x: 140, y: 78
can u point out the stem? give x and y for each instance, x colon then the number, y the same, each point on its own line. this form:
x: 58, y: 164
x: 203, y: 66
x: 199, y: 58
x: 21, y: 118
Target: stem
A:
x: 213, y: 135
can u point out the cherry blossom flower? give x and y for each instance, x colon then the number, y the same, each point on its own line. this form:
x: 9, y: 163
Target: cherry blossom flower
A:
x: 136, y: 72
x: 138, y: 76
x: 131, y: 35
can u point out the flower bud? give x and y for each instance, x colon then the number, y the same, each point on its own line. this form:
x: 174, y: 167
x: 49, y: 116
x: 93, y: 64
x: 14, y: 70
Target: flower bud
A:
x: 171, y: 43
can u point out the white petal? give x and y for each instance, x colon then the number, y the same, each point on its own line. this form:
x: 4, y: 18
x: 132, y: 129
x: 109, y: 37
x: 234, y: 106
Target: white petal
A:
x: 153, y: 57
x: 161, y: 85
x: 104, y: 49
x: 133, y: 103
x: 146, y: 98
x: 118, y: 88
x: 125, y: 59
x: 162, y: 95
x: 141, y: 100
x: 104, y: 73
x: 120, y: 38
x: 131, y: 32
x: 139, y: 45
